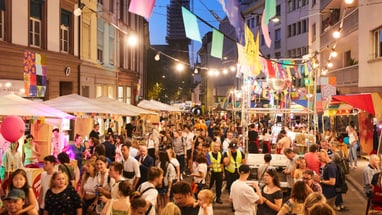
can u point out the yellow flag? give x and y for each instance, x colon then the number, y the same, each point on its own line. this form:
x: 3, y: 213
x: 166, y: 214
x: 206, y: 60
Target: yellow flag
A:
x: 250, y: 47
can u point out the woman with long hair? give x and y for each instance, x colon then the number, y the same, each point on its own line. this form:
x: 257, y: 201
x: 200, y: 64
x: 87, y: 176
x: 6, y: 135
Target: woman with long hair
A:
x: 169, y: 175
x: 295, y: 204
x: 121, y: 205
x: 353, y: 144
x: 271, y: 193
x: 119, y: 140
x: 88, y: 187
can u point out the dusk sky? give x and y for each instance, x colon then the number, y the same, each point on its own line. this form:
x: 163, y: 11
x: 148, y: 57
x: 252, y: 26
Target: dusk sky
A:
x: 158, y: 26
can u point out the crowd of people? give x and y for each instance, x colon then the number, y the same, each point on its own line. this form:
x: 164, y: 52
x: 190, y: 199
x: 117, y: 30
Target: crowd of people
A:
x: 181, y: 168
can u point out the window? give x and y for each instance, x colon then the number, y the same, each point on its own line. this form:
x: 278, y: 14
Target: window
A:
x: 298, y: 28
x: 277, y: 38
x: 2, y: 24
x: 111, y: 6
x: 304, y: 51
x: 120, y: 93
x: 35, y: 19
x: 128, y: 95
x: 277, y: 55
x: 34, y: 32
x: 111, y: 44
x: 110, y: 92
x: 64, y: 31
x: 378, y: 43
x: 305, y: 2
x: 298, y: 52
x: 289, y: 30
x: 290, y: 5
x: 100, y: 36
x: 252, y: 22
x: 347, y: 58
x: 314, y: 32
x: 294, y: 29
x: 299, y: 3
x: 98, y: 90
x: 85, y: 43
x: 313, y: 3
x: 303, y: 26
x: 249, y: 23
x: 278, y: 10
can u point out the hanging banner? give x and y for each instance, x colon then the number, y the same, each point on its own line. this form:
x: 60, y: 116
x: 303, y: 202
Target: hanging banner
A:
x: 34, y: 74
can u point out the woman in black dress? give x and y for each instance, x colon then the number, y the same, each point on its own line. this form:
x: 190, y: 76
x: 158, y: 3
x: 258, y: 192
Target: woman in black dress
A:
x: 271, y: 193
x: 60, y: 198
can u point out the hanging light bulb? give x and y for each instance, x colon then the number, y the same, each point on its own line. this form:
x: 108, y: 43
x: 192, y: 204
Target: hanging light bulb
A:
x: 157, y: 56
x: 330, y: 64
x: 333, y: 53
x: 196, y: 71
x: 324, y: 71
x: 225, y: 71
x: 349, y: 1
x: 179, y: 67
x: 337, y: 34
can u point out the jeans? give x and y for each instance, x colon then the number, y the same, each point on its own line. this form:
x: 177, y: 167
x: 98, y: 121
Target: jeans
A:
x: 180, y: 158
x: 231, y: 177
x: 339, y: 201
x: 353, y: 153
x: 218, y: 177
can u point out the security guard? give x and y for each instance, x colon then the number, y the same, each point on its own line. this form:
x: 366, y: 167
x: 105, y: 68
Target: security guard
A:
x: 233, y: 158
x: 215, y: 163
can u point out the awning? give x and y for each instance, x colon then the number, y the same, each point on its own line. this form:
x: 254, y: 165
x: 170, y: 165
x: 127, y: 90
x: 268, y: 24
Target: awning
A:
x: 360, y: 101
x: 122, y: 105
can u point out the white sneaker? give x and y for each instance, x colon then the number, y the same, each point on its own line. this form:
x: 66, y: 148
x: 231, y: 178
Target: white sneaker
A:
x: 338, y: 208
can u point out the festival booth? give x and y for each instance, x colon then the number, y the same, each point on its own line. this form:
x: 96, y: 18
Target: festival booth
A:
x: 88, y: 111
x: 159, y: 107
x: 147, y: 117
x: 39, y: 117
x: 365, y: 110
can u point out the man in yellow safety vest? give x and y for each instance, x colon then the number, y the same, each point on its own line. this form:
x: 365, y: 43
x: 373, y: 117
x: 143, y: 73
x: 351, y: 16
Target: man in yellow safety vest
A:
x: 232, y: 160
x: 215, y: 163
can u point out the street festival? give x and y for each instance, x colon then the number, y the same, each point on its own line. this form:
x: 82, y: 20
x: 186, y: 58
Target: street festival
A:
x: 280, y: 140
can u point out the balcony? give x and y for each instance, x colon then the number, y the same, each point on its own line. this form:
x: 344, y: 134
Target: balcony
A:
x: 350, y: 25
x: 346, y: 76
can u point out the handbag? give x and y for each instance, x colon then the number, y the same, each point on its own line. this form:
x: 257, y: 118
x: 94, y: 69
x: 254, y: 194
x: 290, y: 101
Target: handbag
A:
x: 92, y: 207
x: 194, y: 187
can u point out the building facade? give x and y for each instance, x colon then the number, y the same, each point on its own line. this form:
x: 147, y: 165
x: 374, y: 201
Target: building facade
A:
x: 85, y: 54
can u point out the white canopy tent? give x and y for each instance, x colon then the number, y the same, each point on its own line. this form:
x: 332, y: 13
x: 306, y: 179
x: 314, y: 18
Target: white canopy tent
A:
x: 15, y: 105
x: 157, y: 106
x: 122, y: 105
x: 74, y: 103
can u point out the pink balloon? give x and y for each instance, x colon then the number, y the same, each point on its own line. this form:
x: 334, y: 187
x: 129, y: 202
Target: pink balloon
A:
x: 12, y: 128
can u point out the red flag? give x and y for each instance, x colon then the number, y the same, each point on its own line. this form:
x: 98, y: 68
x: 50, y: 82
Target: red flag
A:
x: 271, y: 70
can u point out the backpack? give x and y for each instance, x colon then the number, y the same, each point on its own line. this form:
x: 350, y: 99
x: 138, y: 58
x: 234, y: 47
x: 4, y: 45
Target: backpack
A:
x: 341, y: 186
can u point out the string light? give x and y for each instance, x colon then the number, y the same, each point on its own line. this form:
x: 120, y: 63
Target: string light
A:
x: 333, y: 53
x: 349, y: 1
x: 157, y: 56
x: 330, y: 64
x: 179, y: 67
x: 337, y: 34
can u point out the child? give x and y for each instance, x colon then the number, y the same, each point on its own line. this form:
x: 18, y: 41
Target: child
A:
x: 20, y: 181
x: 205, y: 198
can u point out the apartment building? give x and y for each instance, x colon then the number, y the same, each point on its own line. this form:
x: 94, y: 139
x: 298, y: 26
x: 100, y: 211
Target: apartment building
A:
x: 84, y: 53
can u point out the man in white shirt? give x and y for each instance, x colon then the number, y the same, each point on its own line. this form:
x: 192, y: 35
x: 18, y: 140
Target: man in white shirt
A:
x: 189, y: 136
x: 148, y: 191
x: 245, y: 196
x: 227, y: 141
x: 130, y: 166
x: 49, y: 167
x: 115, y: 172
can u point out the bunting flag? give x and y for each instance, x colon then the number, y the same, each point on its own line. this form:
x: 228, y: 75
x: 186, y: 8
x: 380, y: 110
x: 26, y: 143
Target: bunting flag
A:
x: 250, y: 46
x: 265, y: 30
x: 190, y: 25
x: 269, y: 11
x: 142, y: 7
x: 217, y: 44
x: 232, y: 9
x: 271, y: 71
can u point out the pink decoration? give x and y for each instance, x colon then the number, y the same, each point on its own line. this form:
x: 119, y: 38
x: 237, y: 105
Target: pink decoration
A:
x: 265, y: 30
x: 12, y: 128
x: 142, y: 7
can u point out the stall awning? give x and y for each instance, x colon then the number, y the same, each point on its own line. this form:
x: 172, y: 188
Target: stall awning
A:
x: 360, y: 101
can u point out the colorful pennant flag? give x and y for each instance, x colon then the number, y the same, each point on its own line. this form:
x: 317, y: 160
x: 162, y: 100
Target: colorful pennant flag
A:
x: 250, y: 46
x: 265, y: 30
x: 217, y: 44
x: 190, y: 25
x: 232, y: 9
x: 269, y: 11
x: 142, y: 7
x: 271, y: 71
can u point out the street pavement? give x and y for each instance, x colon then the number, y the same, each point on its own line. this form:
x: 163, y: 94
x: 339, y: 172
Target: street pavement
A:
x: 354, y: 200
